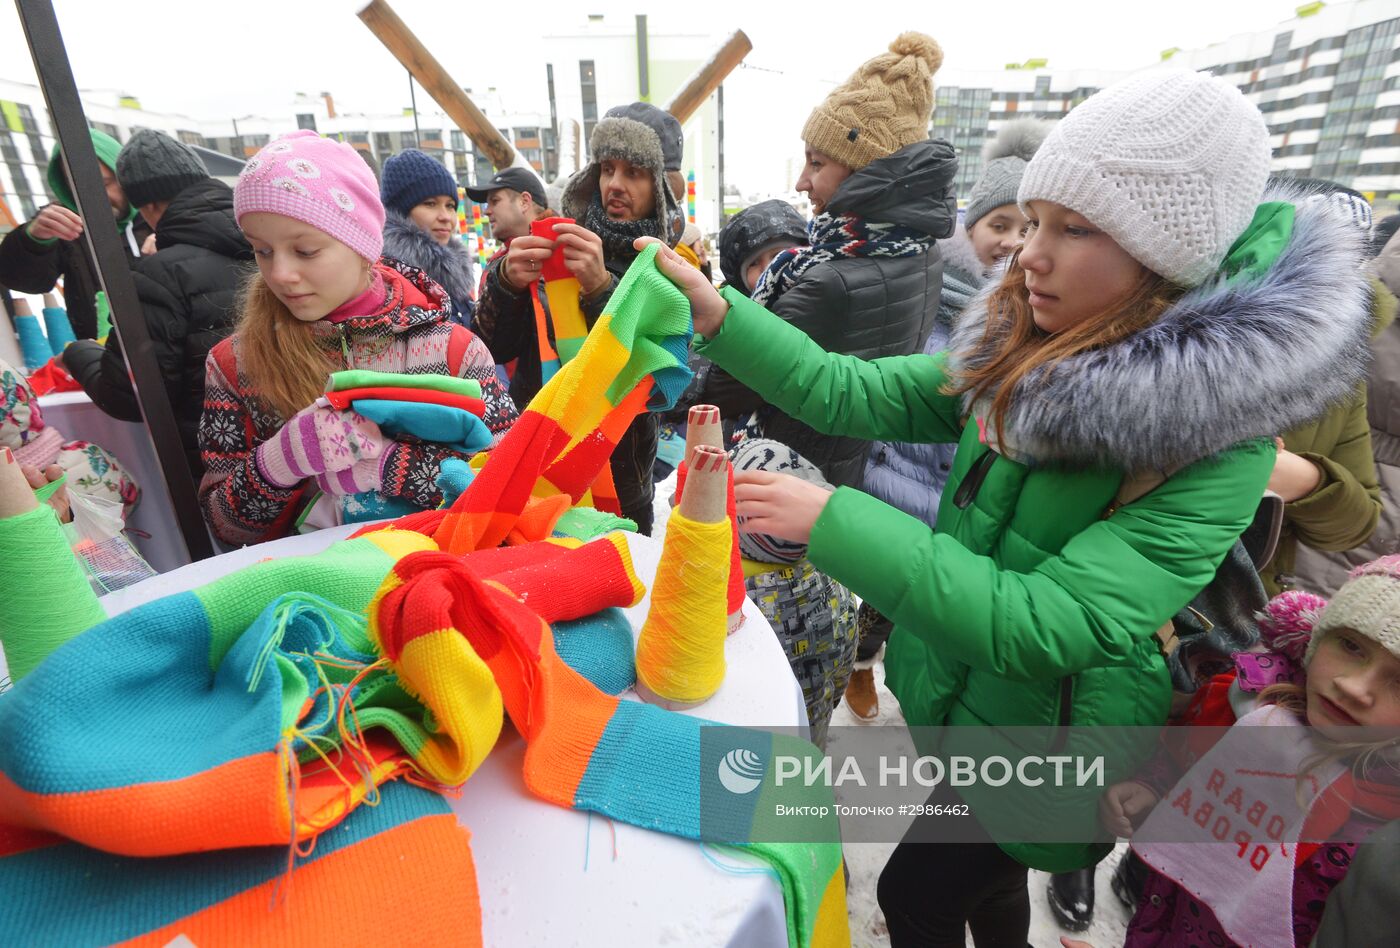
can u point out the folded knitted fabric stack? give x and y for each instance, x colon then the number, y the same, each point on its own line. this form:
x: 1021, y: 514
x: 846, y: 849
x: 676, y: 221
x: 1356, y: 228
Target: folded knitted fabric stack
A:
x: 440, y: 409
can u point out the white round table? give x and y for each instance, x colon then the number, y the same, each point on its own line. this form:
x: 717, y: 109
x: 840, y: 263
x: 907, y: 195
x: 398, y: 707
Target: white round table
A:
x: 546, y: 874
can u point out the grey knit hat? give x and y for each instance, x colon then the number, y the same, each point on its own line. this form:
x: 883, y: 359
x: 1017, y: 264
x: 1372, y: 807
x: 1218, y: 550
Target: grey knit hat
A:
x: 155, y: 167
x: 1004, y: 159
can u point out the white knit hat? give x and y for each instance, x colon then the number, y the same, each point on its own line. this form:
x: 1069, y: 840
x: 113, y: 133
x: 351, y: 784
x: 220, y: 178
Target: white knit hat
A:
x: 1170, y: 164
x: 1368, y: 603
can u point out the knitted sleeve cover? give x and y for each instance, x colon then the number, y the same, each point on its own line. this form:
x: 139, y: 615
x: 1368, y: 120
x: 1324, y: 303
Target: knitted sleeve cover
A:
x: 240, y: 505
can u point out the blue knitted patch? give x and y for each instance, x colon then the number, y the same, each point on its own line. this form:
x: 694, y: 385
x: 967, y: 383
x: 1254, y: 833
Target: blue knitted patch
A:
x: 599, y: 647
x: 133, y: 700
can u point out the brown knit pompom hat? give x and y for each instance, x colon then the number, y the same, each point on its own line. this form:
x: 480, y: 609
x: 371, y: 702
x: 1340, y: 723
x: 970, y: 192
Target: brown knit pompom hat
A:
x: 883, y: 107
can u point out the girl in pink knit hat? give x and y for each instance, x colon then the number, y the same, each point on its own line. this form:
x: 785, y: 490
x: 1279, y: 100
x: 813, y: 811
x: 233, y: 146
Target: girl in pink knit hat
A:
x: 322, y: 301
x: 1248, y: 843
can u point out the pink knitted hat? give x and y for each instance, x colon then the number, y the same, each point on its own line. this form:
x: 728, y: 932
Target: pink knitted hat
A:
x: 318, y: 181
x: 1368, y: 603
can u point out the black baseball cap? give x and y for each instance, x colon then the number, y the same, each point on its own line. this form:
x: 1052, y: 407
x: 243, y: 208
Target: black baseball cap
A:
x: 517, y: 179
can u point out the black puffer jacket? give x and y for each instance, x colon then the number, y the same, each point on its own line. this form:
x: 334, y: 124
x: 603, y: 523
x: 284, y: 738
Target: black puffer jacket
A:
x: 863, y: 306
x: 27, y: 266
x: 189, y: 292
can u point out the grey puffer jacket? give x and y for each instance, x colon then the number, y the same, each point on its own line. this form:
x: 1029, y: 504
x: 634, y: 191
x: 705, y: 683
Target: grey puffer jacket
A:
x: 867, y: 307
x: 911, y: 476
x: 450, y: 267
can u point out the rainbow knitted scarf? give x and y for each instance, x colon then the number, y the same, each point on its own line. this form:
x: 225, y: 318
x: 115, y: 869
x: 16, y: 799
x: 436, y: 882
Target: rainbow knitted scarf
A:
x: 253, y: 719
x: 558, y: 315
x: 633, y: 360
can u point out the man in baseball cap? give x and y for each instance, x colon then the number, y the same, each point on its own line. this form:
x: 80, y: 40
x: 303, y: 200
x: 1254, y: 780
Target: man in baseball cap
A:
x: 513, y: 197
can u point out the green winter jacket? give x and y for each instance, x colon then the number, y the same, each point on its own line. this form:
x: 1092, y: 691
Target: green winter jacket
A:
x: 1027, y: 605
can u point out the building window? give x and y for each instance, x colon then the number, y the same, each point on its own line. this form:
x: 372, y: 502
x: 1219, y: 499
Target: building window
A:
x: 190, y: 138
x: 459, y: 141
x: 383, y: 144
x: 306, y: 120
x: 588, y: 89
x: 407, y: 140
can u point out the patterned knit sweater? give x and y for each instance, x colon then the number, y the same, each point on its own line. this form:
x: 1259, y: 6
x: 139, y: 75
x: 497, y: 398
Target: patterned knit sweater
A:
x: 406, y: 333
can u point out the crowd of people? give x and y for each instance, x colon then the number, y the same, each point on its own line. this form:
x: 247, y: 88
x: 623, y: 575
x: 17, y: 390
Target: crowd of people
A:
x: 1011, y: 439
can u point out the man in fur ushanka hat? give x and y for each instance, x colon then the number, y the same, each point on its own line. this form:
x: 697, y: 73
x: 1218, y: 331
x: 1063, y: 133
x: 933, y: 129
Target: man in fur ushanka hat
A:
x: 621, y: 195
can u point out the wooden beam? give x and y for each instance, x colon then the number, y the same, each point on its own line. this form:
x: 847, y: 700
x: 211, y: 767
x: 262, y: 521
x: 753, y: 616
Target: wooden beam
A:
x: 384, y: 23
x: 707, y: 79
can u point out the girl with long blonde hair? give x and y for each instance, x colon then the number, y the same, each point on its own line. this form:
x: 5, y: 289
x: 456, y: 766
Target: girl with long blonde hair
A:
x: 1164, y: 317
x: 321, y: 301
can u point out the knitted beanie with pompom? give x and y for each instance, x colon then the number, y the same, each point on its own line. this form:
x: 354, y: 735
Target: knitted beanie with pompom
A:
x: 1368, y: 604
x: 884, y: 106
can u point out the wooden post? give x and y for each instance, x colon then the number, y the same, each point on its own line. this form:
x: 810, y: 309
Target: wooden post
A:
x: 384, y: 23
x: 707, y: 79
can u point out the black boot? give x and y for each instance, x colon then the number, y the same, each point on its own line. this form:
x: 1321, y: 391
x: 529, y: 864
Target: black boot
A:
x: 1129, y: 879
x: 1072, y: 898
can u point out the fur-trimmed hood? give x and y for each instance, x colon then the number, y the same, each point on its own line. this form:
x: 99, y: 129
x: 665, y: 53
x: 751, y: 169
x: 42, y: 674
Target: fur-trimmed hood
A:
x: 959, y: 254
x: 1229, y: 361
x: 636, y: 143
x: 449, y: 266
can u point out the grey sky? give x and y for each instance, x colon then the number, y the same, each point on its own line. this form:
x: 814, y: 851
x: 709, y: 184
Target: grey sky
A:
x: 212, y: 60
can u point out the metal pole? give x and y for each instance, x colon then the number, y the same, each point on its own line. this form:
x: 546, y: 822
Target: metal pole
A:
x: 413, y: 101
x: 643, y: 62
x: 113, y: 264
x: 719, y: 129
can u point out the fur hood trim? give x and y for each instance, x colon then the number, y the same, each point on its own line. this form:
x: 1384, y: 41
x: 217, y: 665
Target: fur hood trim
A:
x: 1227, y: 363
x: 958, y: 253
x: 449, y: 266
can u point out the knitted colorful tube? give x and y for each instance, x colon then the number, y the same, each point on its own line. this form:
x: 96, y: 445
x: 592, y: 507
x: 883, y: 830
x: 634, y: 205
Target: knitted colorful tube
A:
x: 632, y: 762
x: 555, y: 297
x: 633, y: 359
x: 576, y: 583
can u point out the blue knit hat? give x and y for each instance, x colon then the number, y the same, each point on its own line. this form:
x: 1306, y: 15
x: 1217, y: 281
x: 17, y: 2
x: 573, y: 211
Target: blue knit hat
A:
x: 411, y: 177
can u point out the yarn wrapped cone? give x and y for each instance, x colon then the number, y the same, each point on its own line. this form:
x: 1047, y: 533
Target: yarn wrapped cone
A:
x: 703, y: 427
x: 680, y: 651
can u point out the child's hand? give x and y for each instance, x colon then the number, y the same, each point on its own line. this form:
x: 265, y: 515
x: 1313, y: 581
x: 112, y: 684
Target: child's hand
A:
x: 707, y: 307
x: 779, y: 505
x: 1124, y: 806
x: 59, y: 501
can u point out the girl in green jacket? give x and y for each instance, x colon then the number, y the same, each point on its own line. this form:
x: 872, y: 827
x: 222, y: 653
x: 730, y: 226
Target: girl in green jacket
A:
x: 1165, y: 320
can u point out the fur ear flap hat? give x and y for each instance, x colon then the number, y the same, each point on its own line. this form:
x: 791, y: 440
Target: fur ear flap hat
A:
x: 641, y: 135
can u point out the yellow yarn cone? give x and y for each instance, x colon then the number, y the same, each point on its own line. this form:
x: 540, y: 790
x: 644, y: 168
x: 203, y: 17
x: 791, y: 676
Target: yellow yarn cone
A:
x: 680, y: 652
